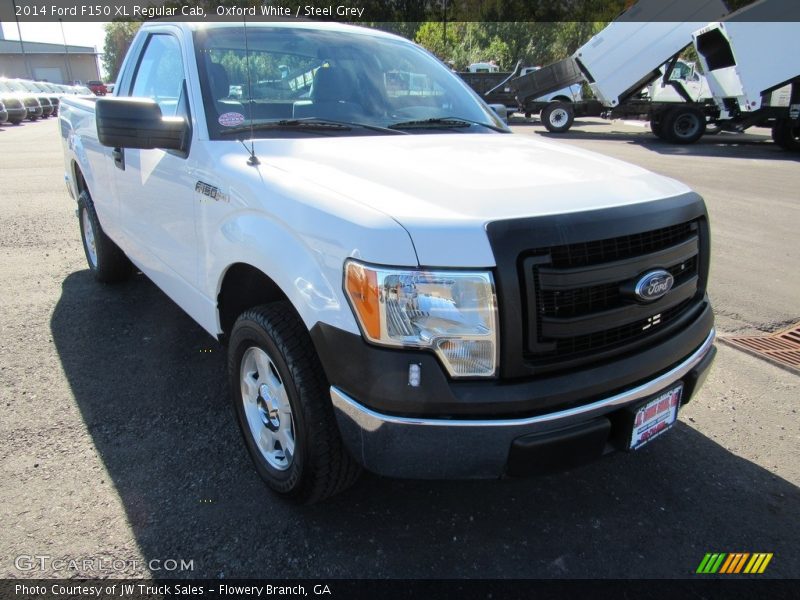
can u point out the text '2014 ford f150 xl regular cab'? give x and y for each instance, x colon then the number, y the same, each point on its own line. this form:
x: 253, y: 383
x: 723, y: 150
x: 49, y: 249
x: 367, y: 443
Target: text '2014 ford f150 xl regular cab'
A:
x: 401, y: 283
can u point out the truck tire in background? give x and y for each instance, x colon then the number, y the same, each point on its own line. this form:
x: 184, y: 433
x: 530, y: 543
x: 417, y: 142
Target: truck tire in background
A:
x: 282, y: 403
x: 657, y: 126
x: 558, y: 116
x: 106, y: 261
x: 786, y: 135
x: 683, y: 125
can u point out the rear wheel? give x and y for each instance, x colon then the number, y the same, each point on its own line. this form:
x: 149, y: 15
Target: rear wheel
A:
x: 106, y: 261
x: 558, y: 117
x: 787, y: 135
x: 684, y: 125
x: 282, y: 403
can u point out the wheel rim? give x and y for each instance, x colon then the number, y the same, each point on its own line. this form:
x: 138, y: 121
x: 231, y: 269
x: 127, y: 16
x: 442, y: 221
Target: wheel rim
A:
x: 267, y: 408
x: 558, y: 117
x: 686, y: 126
x: 88, y: 238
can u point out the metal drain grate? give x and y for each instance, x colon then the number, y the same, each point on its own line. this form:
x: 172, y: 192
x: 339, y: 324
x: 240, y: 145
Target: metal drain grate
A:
x: 782, y: 348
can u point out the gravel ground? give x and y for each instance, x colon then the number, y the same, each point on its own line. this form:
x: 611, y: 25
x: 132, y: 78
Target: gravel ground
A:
x: 117, y: 440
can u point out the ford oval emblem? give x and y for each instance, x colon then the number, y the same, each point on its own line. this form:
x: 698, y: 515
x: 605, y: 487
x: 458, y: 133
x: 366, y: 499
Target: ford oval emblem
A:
x: 653, y: 285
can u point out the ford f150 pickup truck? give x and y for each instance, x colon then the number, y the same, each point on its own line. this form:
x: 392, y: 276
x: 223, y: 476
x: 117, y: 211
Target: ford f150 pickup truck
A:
x: 401, y: 283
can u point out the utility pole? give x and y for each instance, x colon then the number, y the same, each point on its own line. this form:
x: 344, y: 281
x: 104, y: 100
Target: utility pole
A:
x: 66, y: 51
x: 28, y: 71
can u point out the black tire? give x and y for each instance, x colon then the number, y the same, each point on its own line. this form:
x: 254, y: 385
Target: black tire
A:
x: 107, y: 263
x: 684, y: 125
x: 320, y: 465
x: 16, y: 121
x: 657, y: 126
x: 786, y: 135
x: 33, y: 118
x: 558, y: 117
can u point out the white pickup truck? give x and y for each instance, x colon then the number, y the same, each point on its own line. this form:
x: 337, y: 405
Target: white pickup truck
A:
x: 401, y: 283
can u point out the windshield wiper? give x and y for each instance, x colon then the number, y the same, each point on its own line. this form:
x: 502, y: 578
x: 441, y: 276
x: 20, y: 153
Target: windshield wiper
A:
x: 442, y: 123
x: 308, y: 124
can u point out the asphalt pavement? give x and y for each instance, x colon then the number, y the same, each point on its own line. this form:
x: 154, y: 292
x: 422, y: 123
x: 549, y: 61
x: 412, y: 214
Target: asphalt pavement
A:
x: 117, y: 440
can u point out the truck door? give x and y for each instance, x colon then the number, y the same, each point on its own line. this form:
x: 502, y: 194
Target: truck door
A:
x: 155, y: 189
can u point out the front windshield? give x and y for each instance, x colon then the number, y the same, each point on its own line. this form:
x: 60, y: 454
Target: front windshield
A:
x: 310, y: 74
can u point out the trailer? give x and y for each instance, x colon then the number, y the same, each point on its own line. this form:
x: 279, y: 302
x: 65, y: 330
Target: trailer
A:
x: 642, y: 45
x: 751, y: 63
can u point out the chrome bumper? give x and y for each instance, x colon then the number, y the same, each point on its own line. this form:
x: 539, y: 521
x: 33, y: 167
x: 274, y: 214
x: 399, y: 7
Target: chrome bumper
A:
x: 459, y: 449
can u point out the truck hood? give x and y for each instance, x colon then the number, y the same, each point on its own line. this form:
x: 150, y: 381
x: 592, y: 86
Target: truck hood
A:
x: 444, y: 188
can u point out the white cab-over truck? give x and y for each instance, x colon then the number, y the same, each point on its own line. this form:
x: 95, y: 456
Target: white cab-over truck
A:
x: 400, y: 282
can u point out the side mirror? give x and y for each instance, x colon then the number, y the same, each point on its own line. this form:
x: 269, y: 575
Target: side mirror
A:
x: 138, y: 123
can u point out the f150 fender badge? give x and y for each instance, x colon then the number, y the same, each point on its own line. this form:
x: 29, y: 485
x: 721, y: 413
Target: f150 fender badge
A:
x: 213, y: 192
x: 653, y: 285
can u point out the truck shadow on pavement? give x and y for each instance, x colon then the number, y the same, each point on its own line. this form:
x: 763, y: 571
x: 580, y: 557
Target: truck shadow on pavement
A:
x: 150, y: 385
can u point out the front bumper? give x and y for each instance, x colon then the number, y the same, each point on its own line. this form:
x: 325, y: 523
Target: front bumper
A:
x: 437, y: 448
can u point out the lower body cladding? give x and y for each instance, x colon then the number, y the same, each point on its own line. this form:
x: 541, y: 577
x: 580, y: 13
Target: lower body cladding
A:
x: 461, y: 448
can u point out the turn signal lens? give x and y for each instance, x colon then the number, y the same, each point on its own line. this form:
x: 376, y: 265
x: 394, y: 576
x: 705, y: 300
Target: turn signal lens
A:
x: 362, y: 289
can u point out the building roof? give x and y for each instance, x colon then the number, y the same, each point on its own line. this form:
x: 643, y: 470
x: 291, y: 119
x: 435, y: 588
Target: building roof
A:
x: 13, y: 47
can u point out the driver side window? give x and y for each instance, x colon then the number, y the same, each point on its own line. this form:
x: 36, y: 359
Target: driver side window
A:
x: 160, y: 74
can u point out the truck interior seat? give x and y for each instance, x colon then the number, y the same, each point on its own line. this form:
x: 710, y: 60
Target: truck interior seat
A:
x: 332, y: 96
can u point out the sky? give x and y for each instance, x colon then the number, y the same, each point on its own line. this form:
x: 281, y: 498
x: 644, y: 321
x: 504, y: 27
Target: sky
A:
x: 79, y: 34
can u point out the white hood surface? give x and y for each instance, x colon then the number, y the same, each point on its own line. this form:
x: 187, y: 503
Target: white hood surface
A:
x: 443, y: 188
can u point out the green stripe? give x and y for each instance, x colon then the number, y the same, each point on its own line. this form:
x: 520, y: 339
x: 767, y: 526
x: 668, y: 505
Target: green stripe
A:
x: 701, y: 568
x: 718, y: 564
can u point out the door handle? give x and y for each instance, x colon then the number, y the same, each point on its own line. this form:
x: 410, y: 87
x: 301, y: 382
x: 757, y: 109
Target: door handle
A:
x: 118, y: 154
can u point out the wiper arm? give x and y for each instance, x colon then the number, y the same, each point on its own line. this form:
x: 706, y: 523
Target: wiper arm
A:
x: 443, y: 123
x: 307, y: 124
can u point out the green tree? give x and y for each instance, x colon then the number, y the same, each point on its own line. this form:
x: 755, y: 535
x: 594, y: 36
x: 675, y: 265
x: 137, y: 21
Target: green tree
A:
x: 119, y: 35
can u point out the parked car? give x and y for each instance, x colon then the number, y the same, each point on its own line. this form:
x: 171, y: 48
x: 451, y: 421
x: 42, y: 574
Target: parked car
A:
x: 46, y: 99
x: 401, y: 283
x: 52, y: 93
x: 33, y: 108
x: 3, y: 113
x: 15, y: 109
x: 98, y: 88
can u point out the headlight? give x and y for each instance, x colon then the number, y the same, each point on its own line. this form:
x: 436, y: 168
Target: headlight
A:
x: 453, y: 313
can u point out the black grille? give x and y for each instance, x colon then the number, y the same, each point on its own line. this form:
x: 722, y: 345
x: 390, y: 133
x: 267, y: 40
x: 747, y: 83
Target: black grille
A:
x: 580, y: 300
x: 601, y: 251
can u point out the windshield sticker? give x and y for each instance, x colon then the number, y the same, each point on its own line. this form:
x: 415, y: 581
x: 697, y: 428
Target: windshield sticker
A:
x: 231, y: 119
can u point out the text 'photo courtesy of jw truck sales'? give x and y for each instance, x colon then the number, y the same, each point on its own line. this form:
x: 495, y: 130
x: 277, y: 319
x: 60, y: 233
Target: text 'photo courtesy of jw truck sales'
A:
x: 400, y: 283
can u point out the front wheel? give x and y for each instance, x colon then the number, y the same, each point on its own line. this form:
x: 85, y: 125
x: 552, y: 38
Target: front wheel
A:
x: 282, y: 404
x: 558, y: 116
x: 684, y: 125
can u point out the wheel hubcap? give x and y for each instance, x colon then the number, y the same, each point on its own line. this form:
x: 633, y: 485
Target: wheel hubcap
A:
x: 558, y: 117
x: 267, y: 408
x: 687, y: 126
x: 88, y: 237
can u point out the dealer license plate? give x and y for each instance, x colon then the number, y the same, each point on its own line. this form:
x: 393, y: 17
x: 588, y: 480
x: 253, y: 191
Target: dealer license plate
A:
x: 656, y: 416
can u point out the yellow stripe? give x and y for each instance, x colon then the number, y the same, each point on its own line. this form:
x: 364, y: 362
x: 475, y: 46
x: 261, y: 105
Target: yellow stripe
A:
x: 759, y: 559
x: 741, y: 562
x: 727, y: 562
x: 750, y: 566
x: 765, y: 563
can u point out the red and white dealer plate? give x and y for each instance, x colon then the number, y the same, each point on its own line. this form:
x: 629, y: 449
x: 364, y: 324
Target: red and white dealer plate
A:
x: 656, y: 416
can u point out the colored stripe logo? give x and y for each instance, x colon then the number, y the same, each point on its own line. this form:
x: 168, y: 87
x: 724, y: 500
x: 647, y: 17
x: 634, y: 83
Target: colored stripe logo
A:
x: 733, y: 563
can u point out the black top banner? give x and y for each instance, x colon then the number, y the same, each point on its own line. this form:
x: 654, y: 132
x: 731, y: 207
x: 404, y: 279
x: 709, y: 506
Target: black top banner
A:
x: 355, y: 11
